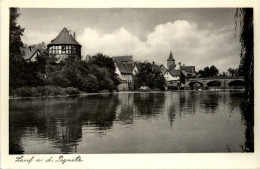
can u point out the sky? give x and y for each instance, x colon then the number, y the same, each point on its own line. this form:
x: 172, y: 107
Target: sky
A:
x: 196, y: 37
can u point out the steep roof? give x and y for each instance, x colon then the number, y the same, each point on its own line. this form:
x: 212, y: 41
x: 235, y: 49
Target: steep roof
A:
x: 125, y: 68
x: 163, y: 69
x: 170, y: 57
x: 189, y: 69
x: 122, y: 58
x: 184, y: 72
x: 138, y: 65
x: 175, y: 72
x: 31, y: 50
x: 63, y: 38
x: 156, y: 68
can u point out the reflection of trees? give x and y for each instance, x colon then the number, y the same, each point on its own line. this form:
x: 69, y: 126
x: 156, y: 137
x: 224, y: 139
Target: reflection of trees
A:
x: 59, y: 120
x: 148, y: 104
x: 247, y: 110
x: 210, y: 102
x: 187, y: 102
x: 99, y: 110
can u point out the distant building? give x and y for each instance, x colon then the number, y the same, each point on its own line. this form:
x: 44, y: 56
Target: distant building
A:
x: 171, y: 74
x: 171, y: 62
x: 174, y: 72
x: 30, y: 53
x: 126, y: 58
x: 126, y: 68
x: 188, y: 71
x: 64, y: 46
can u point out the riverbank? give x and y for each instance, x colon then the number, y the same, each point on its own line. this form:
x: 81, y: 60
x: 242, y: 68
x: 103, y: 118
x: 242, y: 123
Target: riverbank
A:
x: 82, y: 94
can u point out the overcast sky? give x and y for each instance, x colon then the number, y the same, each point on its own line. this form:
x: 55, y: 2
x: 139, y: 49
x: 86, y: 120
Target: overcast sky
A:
x: 198, y: 37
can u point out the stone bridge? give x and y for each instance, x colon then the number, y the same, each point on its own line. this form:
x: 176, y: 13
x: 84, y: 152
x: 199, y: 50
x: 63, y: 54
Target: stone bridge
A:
x: 220, y: 82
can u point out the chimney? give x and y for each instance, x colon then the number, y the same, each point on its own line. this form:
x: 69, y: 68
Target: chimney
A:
x: 183, y: 64
x: 30, y: 48
x: 74, y: 34
x: 153, y: 62
x: 70, y: 32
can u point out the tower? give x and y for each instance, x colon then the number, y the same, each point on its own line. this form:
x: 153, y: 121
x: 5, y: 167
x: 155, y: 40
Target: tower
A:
x: 64, y: 46
x: 171, y: 62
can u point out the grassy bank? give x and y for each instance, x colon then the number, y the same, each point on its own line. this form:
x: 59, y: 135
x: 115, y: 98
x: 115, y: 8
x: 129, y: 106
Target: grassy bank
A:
x: 43, y: 91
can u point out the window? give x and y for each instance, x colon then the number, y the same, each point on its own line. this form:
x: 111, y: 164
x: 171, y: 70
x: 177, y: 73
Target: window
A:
x: 63, y: 47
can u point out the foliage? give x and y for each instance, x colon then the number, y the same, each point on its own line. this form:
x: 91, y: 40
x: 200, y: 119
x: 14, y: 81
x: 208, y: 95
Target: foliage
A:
x: 42, y: 91
x: 232, y: 71
x: 235, y: 72
x: 71, y: 91
x: 149, y: 77
x: 211, y: 71
x: 244, y: 16
x: 15, y: 55
x: 104, y: 61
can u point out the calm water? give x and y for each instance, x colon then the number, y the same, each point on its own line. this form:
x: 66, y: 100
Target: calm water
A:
x: 163, y: 122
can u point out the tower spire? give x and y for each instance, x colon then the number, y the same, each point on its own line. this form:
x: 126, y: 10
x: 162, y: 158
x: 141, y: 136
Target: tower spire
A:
x: 171, y: 62
x: 170, y: 57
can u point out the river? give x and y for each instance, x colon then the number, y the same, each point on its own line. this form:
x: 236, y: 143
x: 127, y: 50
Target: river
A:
x: 159, y: 122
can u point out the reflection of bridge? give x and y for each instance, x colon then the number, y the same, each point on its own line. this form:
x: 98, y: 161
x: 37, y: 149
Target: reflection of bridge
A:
x: 221, y: 82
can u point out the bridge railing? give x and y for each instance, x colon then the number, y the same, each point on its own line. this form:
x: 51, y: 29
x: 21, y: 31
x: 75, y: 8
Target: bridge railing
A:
x: 210, y: 78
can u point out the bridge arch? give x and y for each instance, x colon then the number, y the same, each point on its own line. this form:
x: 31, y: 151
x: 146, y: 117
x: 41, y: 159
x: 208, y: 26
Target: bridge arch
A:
x: 214, y: 83
x: 194, y: 84
x: 236, y: 83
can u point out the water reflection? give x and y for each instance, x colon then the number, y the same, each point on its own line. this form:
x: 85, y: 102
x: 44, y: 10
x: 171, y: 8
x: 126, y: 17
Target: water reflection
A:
x: 247, y: 110
x: 148, y: 104
x: 68, y: 125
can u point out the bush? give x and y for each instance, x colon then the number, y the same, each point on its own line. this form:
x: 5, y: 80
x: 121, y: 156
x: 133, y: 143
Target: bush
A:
x: 42, y: 91
x: 59, y: 80
x: 89, y: 84
x: 38, y: 91
x: 58, y: 91
x: 23, y: 92
x: 71, y: 90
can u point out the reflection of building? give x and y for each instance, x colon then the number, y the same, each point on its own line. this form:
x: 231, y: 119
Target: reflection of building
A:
x: 64, y: 46
x: 30, y: 53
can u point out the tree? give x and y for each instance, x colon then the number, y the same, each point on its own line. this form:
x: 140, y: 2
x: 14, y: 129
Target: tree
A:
x: 16, y: 61
x: 15, y: 42
x: 149, y: 76
x: 208, y: 72
x: 213, y: 71
x: 231, y: 71
x: 101, y: 60
x: 244, y: 16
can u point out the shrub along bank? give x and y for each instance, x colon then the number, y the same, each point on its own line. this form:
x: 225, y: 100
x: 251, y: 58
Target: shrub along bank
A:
x: 46, y: 77
x: 42, y: 91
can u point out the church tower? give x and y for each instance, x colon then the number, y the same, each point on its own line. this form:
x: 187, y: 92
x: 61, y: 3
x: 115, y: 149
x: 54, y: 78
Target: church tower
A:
x: 171, y: 62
